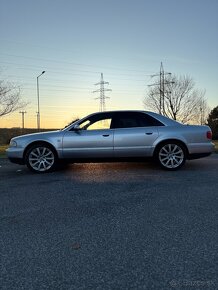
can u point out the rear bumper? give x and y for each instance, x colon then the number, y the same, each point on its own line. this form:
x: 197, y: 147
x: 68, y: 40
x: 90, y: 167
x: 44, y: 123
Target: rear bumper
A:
x: 198, y: 155
x: 201, y: 148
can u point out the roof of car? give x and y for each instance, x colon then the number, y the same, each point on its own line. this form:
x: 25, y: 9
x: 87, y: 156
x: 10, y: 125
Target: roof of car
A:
x: 165, y: 120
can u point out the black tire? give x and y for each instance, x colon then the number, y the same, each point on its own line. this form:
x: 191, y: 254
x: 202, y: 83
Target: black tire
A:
x: 41, y: 158
x: 171, y: 155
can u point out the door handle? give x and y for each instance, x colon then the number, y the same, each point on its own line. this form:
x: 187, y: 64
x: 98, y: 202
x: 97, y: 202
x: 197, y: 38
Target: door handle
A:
x: 106, y: 135
x: 149, y: 133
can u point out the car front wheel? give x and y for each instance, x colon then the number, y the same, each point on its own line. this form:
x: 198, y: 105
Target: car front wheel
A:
x: 41, y: 158
x: 171, y: 156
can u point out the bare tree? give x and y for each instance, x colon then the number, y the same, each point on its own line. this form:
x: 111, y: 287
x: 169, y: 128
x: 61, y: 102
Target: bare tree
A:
x: 181, y: 101
x: 204, y: 111
x: 10, y: 98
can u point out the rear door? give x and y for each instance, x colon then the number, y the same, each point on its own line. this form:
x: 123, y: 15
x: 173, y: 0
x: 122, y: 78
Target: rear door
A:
x: 134, y: 134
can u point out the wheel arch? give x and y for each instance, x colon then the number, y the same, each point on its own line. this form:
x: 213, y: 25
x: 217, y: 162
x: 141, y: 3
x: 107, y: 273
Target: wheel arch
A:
x: 177, y: 141
x: 39, y: 142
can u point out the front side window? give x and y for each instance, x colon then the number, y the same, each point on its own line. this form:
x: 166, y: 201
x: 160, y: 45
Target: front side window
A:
x: 100, y: 125
x: 97, y: 122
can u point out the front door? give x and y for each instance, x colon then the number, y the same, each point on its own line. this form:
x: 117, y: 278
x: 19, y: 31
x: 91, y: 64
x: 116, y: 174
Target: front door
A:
x: 93, y: 139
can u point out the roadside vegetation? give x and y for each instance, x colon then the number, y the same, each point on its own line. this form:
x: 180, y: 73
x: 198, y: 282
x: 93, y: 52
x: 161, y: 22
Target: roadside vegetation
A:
x: 2, y: 150
x: 216, y: 144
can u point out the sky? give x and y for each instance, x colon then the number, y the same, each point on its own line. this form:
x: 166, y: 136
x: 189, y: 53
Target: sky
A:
x: 74, y: 41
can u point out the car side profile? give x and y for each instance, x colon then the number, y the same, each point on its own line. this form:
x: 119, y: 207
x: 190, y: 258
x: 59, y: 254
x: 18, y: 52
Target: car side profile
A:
x: 114, y: 136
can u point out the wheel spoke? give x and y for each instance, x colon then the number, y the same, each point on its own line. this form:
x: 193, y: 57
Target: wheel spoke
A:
x: 163, y: 154
x: 49, y: 163
x: 178, y: 157
x: 33, y: 158
x: 174, y: 149
x: 39, y: 165
x: 47, y: 154
x: 165, y: 150
x: 172, y: 163
x: 165, y: 158
x: 38, y: 151
x: 33, y: 153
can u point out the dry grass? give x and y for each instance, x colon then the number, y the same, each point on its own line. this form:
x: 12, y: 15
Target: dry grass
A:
x: 216, y: 145
x: 2, y: 150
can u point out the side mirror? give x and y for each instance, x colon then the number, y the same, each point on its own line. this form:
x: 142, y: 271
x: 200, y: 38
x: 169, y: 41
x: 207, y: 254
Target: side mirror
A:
x: 76, y: 127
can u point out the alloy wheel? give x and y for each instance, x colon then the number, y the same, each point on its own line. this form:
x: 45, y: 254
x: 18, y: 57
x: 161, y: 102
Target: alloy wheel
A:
x: 171, y: 156
x: 41, y: 159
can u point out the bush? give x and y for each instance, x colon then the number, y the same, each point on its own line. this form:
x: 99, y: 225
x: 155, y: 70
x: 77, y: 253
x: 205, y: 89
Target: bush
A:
x: 212, y: 121
x: 7, y: 134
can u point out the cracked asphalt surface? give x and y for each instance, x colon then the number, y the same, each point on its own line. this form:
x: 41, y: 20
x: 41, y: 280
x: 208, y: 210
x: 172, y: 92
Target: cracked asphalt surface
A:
x: 109, y: 226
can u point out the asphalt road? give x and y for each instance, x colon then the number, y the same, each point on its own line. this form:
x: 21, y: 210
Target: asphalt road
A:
x: 109, y: 226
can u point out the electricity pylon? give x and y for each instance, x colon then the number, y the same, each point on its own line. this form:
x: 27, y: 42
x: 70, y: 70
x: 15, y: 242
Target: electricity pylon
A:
x: 102, y: 90
x: 162, y: 82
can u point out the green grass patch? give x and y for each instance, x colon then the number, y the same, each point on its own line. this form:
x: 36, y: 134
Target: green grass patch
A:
x: 2, y: 150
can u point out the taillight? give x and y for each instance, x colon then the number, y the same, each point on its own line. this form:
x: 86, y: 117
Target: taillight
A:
x: 209, y: 135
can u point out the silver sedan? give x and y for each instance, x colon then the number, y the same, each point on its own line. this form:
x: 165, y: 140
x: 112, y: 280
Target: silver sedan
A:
x: 114, y: 136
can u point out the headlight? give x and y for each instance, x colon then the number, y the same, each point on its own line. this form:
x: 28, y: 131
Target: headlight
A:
x: 13, y: 143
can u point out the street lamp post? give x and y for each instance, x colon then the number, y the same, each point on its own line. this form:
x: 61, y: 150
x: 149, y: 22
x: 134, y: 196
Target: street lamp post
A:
x: 38, y: 112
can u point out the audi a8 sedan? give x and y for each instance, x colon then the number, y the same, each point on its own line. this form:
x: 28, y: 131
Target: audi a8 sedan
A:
x: 114, y: 136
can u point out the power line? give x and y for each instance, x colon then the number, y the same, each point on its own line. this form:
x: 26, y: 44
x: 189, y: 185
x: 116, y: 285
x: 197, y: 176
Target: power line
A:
x: 69, y: 63
x: 102, y: 96
x: 68, y: 71
x: 55, y: 49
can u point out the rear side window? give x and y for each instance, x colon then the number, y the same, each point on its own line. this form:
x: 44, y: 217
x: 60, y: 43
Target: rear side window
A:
x: 132, y: 119
x: 148, y: 121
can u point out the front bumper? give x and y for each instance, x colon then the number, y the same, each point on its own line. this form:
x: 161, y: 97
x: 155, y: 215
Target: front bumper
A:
x: 17, y: 160
x: 15, y: 155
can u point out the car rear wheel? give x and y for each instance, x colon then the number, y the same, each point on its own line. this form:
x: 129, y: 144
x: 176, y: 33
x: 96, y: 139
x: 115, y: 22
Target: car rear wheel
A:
x: 41, y: 158
x: 171, y: 156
